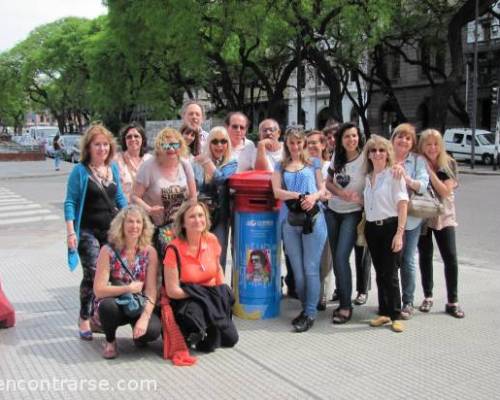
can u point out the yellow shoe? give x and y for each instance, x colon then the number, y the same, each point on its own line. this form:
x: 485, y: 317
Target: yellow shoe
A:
x: 379, y: 321
x: 397, y: 326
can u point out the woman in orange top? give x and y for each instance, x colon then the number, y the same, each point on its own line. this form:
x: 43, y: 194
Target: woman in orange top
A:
x: 198, y: 281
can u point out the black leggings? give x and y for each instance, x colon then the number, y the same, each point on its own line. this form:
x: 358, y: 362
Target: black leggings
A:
x: 445, y: 239
x: 112, y: 316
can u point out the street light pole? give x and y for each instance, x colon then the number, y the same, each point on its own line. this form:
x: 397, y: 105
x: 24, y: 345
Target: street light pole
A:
x: 474, y: 90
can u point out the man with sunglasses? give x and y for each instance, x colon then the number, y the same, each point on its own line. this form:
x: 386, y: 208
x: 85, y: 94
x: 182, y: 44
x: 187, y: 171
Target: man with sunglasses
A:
x: 269, y: 149
x: 236, y: 124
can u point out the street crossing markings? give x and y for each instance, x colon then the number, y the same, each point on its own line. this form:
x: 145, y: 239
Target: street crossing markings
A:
x: 15, y: 209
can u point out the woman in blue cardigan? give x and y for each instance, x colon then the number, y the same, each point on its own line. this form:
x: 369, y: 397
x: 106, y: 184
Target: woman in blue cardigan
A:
x: 93, y: 197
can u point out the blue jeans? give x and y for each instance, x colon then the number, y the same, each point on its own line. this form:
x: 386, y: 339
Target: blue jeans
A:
x: 57, y: 159
x: 304, y: 252
x: 409, y: 263
x: 342, y: 235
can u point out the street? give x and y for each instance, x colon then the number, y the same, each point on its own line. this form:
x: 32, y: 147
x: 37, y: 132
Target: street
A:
x: 437, y: 357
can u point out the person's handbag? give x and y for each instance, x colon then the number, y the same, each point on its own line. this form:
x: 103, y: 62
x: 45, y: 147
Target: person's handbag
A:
x: 132, y: 304
x: 360, y: 232
x: 426, y: 205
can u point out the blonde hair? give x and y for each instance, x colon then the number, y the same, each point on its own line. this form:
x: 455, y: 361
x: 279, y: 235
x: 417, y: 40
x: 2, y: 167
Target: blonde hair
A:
x: 116, y: 233
x: 295, y: 133
x: 377, y: 141
x: 168, y: 134
x: 406, y: 129
x: 87, y: 138
x: 178, y: 228
x: 444, y: 161
x: 217, y: 130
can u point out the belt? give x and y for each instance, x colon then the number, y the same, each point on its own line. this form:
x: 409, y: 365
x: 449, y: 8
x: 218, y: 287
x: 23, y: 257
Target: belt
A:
x: 382, y: 222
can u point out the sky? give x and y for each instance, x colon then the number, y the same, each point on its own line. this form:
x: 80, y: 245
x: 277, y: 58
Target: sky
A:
x: 20, y: 17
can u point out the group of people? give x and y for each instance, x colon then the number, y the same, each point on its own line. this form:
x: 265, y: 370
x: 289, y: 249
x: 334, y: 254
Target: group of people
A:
x: 157, y: 225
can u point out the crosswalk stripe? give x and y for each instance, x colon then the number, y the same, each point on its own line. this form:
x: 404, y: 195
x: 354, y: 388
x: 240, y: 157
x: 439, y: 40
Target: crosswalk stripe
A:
x: 18, y: 207
x: 31, y: 219
x: 23, y: 213
x: 10, y: 197
x: 15, y: 201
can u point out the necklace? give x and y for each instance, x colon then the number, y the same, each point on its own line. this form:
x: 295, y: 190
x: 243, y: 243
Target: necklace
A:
x: 132, y: 164
x: 103, y: 178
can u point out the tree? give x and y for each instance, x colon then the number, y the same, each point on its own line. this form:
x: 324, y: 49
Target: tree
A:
x: 13, y: 101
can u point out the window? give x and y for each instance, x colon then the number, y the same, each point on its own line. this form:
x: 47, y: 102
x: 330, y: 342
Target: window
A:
x: 457, y: 138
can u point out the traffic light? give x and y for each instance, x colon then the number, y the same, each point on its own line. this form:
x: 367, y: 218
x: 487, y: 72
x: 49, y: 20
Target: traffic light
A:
x: 494, y: 95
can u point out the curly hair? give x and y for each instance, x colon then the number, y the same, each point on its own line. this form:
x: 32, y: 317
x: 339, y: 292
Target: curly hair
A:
x: 170, y: 134
x: 179, y: 229
x: 116, y: 233
x: 87, y: 138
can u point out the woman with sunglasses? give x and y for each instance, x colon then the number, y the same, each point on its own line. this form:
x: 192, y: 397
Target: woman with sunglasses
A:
x: 134, y: 144
x: 298, y: 182
x: 213, y: 167
x: 386, y: 203
x: 163, y: 183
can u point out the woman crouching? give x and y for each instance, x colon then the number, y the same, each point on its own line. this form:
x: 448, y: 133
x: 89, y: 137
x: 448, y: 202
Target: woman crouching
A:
x: 386, y: 203
x: 127, y: 266
x: 194, y: 282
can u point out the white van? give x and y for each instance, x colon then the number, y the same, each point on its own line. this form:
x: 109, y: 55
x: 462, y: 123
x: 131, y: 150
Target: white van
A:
x: 458, y: 144
x: 42, y: 133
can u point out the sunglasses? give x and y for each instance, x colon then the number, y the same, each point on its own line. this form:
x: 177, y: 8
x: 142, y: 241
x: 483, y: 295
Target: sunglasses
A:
x: 235, y: 127
x: 171, y: 146
x: 218, y: 141
x: 128, y: 137
x: 374, y: 150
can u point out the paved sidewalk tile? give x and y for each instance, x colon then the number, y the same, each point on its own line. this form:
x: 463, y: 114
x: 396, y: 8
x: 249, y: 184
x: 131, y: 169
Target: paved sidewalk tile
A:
x: 437, y: 357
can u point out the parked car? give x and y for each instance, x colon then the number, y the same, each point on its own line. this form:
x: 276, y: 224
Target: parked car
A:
x: 71, y: 144
x: 458, y: 143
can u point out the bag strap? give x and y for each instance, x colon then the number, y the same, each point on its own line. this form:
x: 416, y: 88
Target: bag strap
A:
x: 122, y: 263
x: 108, y: 201
x: 177, y: 258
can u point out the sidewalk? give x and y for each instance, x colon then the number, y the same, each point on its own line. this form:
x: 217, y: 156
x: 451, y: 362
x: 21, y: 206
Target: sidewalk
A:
x: 437, y: 357
x: 33, y: 169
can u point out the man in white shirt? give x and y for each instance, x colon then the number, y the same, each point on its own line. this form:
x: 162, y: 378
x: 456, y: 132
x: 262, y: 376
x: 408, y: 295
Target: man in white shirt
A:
x: 243, y: 149
x: 193, y: 116
x: 269, y: 149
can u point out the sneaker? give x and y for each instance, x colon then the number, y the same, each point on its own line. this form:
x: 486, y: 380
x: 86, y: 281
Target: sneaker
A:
x: 397, y: 326
x: 361, y: 299
x: 298, y: 317
x: 407, y: 311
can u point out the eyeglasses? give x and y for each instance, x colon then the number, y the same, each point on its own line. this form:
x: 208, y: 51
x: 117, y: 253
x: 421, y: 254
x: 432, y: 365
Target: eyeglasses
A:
x: 236, y: 127
x: 132, y: 136
x: 374, y: 150
x: 189, y: 133
x: 218, y: 141
x: 255, y: 260
x: 171, y: 146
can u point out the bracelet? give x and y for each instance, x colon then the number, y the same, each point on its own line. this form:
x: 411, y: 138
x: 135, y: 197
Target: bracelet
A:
x: 401, y: 228
x: 71, y: 234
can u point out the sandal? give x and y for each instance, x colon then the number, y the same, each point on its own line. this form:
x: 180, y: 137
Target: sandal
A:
x: 338, y: 318
x: 84, y: 335
x: 426, y: 305
x: 454, y: 310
